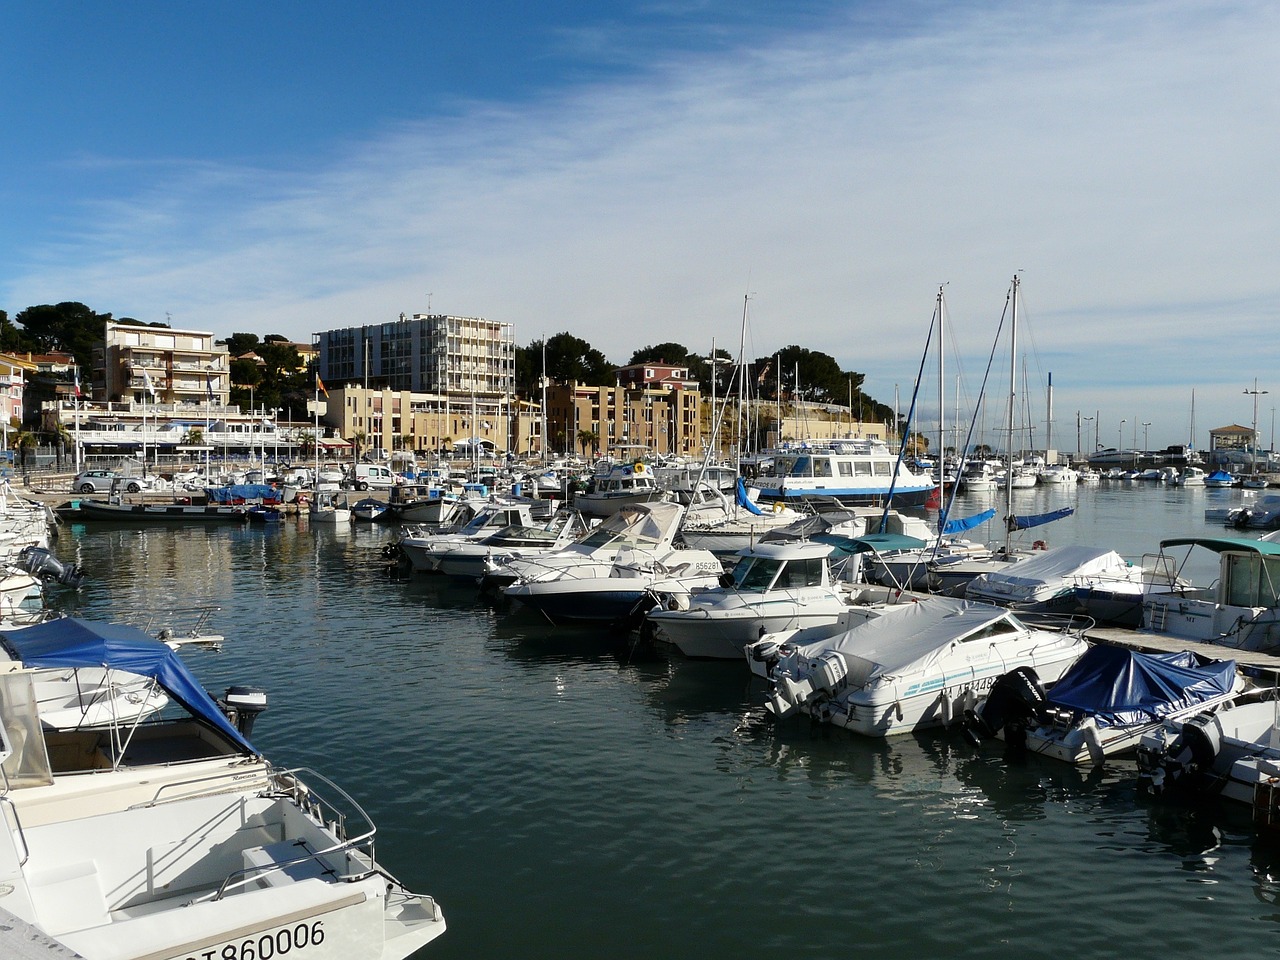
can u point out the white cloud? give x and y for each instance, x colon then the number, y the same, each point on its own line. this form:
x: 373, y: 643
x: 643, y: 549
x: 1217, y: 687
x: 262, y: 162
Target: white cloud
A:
x: 1118, y: 154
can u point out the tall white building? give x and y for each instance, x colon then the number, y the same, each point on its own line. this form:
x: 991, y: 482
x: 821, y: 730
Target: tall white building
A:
x: 436, y: 354
x: 161, y: 364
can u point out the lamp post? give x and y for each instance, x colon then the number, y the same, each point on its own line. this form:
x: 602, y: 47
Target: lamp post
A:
x: 1120, y: 440
x: 1253, y: 437
x: 1146, y: 444
x: 1086, y: 430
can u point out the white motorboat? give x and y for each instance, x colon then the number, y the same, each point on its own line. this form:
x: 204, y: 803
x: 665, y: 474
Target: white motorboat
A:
x: 173, y: 837
x: 423, y: 550
x: 1105, y: 702
x: 780, y: 585
x: 369, y: 510
x: 854, y: 472
x: 1058, y: 473
x: 608, y: 574
x: 1240, y: 609
x: 1190, y: 476
x: 1232, y: 752
x: 923, y: 666
x: 620, y: 485
x: 329, y: 507
x: 1047, y: 581
x: 473, y: 558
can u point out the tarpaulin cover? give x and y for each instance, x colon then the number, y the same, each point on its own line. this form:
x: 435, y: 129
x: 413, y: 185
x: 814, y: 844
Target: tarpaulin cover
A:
x: 967, y: 523
x: 744, y: 501
x: 1026, y: 523
x: 869, y: 543
x: 1123, y: 687
x: 240, y: 492
x: 71, y: 642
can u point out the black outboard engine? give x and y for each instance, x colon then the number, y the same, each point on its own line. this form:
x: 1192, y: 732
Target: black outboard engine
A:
x: 41, y: 563
x: 1016, y: 700
x: 242, y: 706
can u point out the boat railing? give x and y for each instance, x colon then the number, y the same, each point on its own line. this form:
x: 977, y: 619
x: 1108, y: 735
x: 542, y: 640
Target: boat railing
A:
x: 216, y: 783
x: 323, y: 811
x: 182, y: 623
x: 1075, y: 624
x: 17, y: 822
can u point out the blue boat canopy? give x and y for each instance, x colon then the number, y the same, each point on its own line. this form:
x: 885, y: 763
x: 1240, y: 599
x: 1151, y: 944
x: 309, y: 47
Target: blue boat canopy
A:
x: 740, y: 491
x: 967, y: 523
x: 72, y: 642
x: 1026, y: 523
x: 869, y: 543
x: 1121, y: 687
x: 239, y: 492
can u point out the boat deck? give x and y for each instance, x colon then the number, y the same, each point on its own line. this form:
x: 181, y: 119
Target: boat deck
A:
x: 1163, y: 643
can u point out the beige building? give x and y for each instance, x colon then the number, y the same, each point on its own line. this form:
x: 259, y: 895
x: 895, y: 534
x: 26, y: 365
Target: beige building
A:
x: 182, y: 368
x: 425, y: 423
x: 660, y: 418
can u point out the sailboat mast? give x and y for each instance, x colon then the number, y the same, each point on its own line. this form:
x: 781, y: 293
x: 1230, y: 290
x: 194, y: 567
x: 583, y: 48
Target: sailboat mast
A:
x: 942, y: 399
x: 1013, y: 394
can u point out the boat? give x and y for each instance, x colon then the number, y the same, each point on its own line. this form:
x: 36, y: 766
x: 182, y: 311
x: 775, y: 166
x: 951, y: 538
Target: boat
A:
x: 1104, y: 703
x: 328, y: 507
x: 158, y: 512
x: 172, y: 836
x: 620, y: 485
x: 264, y: 514
x: 923, y: 666
x: 1232, y: 752
x: 1260, y: 514
x: 472, y: 559
x: 715, y: 522
x: 1241, y: 607
x: 1219, y: 479
x: 774, y: 586
x: 612, y: 573
x: 423, y: 549
x: 369, y: 509
x: 1047, y: 581
x: 1190, y: 476
x: 1059, y: 473
x: 857, y: 472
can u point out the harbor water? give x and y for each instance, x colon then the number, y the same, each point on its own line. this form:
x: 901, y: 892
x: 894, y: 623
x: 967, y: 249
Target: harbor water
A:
x: 565, y: 796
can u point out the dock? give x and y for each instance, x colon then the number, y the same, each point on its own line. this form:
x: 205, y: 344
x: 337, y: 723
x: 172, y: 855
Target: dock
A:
x: 1149, y: 642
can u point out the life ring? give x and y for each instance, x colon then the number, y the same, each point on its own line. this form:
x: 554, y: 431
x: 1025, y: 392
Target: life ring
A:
x: 638, y: 468
x: 779, y: 506
x: 1039, y: 545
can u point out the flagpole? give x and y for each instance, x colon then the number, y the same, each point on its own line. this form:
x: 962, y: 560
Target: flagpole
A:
x: 77, y: 408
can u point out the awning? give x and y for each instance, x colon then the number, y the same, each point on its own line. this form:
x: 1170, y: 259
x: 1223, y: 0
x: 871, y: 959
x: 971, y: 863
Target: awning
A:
x: 72, y: 642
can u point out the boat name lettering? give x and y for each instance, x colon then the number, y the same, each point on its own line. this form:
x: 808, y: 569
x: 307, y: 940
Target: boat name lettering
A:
x: 272, y: 943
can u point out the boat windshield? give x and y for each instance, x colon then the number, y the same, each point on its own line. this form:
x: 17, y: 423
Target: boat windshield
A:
x: 1251, y: 580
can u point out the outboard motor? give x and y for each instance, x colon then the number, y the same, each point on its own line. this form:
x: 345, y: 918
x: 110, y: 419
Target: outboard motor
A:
x: 41, y: 563
x: 1185, y: 760
x: 1017, y: 699
x: 242, y: 706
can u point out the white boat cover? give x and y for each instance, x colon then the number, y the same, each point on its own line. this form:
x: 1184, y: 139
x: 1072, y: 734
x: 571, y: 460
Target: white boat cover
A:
x: 909, y: 636
x: 1059, y: 564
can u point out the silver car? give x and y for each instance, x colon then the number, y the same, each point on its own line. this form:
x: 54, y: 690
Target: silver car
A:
x: 100, y: 481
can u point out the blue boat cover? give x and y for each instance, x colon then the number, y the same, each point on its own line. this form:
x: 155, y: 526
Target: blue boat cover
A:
x: 744, y: 501
x: 71, y: 642
x: 1123, y: 687
x: 967, y: 523
x: 240, y: 492
x: 1026, y: 523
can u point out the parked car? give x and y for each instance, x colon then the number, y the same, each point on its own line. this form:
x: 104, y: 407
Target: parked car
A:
x: 100, y: 481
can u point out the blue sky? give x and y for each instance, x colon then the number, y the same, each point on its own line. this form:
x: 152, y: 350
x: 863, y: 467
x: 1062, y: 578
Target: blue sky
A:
x: 629, y: 171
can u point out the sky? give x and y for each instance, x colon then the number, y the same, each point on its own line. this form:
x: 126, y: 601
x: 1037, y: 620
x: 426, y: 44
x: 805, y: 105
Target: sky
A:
x: 635, y: 173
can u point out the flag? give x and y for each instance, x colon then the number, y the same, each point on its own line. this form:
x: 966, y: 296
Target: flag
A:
x: 320, y: 386
x: 148, y: 385
x: 208, y: 385
x: 77, y: 383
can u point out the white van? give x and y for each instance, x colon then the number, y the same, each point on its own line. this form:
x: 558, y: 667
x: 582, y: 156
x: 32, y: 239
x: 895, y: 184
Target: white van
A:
x: 366, y: 475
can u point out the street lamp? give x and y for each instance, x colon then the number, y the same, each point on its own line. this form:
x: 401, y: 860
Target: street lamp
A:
x: 1146, y: 444
x: 1086, y: 431
x: 1120, y: 441
x: 1253, y: 440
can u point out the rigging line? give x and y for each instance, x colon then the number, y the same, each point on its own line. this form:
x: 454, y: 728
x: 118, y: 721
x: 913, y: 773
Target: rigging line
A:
x: 906, y: 433
x: 991, y: 359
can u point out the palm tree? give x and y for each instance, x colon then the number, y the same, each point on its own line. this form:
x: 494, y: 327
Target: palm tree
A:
x: 358, y: 438
x: 588, y: 438
x: 24, y: 441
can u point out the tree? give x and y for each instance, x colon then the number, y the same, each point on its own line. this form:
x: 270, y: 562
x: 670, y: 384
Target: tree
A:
x: 239, y: 344
x: 24, y: 441
x: 588, y: 438
x: 69, y: 326
x: 568, y: 358
x: 674, y: 354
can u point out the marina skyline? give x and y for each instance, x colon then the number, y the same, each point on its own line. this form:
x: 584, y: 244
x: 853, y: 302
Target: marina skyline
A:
x: 627, y: 172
